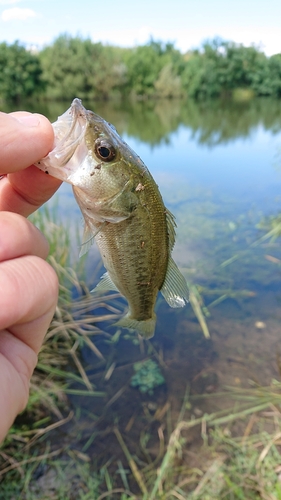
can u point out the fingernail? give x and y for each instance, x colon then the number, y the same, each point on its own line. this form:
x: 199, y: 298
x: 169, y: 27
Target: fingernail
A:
x: 29, y: 120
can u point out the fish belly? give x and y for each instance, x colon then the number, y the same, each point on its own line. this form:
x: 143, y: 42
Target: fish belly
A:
x: 135, y: 254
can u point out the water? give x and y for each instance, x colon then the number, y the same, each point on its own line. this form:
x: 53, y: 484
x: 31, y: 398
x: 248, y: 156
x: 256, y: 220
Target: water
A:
x: 218, y: 166
x: 219, y: 176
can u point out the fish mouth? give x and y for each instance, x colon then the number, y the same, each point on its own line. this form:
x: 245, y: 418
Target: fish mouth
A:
x: 71, y: 125
x: 77, y: 109
x: 69, y: 149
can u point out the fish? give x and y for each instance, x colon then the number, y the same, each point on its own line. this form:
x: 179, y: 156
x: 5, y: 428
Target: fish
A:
x: 123, y: 212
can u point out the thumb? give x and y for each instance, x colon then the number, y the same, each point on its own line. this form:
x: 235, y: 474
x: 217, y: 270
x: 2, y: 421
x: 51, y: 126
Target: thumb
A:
x: 25, y: 138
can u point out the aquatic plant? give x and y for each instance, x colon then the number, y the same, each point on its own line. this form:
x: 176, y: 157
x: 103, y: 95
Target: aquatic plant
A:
x: 74, y: 325
x: 147, y: 377
x: 272, y: 225
x: 35, y: 464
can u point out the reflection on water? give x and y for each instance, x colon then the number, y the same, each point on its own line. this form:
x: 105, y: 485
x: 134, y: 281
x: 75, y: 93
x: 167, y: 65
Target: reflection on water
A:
x: 218, y: 168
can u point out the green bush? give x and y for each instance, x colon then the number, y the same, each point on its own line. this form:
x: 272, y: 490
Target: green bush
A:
x: 20, y: 73
x: 74, y: 67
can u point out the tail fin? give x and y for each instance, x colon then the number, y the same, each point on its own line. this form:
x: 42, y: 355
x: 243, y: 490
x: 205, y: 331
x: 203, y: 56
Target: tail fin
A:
x: 146, y: 328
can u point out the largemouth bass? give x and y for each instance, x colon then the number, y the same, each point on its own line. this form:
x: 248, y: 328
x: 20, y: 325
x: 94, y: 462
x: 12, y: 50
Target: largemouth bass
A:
x: 123, y: 211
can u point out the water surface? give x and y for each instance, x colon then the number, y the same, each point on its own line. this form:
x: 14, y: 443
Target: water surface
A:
x: 218, y: 166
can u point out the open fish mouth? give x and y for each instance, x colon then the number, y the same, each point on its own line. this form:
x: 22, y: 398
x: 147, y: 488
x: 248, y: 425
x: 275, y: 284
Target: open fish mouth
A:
x: 68, y: 150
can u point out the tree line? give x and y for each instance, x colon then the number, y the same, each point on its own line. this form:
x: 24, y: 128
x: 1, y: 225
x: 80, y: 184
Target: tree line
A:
x: 73, y: 66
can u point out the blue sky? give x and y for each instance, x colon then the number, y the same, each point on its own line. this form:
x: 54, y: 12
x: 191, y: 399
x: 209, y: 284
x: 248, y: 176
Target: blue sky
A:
x: 127, y: 23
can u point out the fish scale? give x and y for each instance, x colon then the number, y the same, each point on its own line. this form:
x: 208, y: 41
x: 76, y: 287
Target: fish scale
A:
x: 123, y: 211
x: 135, y: 259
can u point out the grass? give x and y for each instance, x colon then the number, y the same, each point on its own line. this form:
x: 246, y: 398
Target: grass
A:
x: 75, y: 322
x: 239, y: 455
x: 74, y: 325
x: 237, y: 467
x: 244, y: 467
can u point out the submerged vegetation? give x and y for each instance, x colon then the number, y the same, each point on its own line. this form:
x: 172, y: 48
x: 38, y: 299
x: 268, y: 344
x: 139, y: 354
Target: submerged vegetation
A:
x: 147, y: 376
x: 82, y: 438
x: 73, y: 66
x: 211, y: 428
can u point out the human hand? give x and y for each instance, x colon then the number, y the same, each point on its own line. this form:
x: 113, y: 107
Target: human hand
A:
x: 24, y: 139
x: 29, y: 286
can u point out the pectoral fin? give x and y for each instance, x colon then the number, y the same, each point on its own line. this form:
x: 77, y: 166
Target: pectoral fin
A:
x: 87, y: 241
x: 88, y: 238
x: 174, y: 288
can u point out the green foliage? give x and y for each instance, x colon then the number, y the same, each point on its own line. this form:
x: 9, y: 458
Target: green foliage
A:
x: 20, y: 72
x: 75, y: 67
x: 145, y: 66
x: 147, y: 376
x: 168, y: 83
x: 220, y: 67
x: 274, y: 64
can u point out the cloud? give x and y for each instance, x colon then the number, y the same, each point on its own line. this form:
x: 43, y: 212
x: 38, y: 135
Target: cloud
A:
x: 16, y: 13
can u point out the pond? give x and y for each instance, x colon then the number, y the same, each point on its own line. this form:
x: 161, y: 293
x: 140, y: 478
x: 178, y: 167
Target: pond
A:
x: 218, y: 166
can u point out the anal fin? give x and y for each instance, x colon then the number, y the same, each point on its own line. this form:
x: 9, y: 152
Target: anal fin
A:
x: 174, y: 288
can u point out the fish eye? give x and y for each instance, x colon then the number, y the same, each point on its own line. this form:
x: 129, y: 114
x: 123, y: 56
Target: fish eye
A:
x: 104, y: 150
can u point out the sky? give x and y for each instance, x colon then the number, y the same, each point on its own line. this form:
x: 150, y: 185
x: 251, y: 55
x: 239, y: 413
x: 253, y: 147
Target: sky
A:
x: 127, y: 23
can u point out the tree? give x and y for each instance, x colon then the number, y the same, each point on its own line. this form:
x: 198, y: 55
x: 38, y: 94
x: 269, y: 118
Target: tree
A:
x: 20, y: 72
x: 73, y: 67
x: 144, y: 65
x: 168, y: 83
x: 220, y: 67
